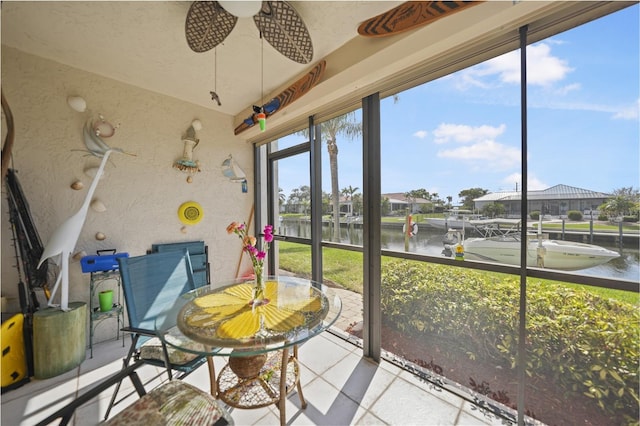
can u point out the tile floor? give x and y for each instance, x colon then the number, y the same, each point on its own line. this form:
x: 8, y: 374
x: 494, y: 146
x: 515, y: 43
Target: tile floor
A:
x: 341, y: 388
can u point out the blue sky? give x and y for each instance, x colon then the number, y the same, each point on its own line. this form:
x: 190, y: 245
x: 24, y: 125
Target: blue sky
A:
x: 463, y: 130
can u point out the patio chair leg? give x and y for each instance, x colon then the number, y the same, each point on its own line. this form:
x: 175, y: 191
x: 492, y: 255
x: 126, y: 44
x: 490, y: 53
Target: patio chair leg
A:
x: 115, y: 394
x: 125, y: 364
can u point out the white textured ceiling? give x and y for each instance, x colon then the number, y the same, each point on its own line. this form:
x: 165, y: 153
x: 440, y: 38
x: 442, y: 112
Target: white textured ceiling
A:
x: 143, y: 43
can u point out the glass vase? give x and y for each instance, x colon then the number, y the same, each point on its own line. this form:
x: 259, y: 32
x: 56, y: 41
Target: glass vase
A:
x: 258, y: 296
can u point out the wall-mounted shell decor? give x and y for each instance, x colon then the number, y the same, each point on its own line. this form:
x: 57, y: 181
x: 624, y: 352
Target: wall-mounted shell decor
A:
x: 98, y: 206
x: 79, y: 255
x: 100, y: 236
x: 77, y: 185
x: 77, y: 103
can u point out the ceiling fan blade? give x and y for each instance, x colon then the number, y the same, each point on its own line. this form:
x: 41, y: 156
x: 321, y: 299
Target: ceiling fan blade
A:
x: 207, y: 25
x: 285, y: 30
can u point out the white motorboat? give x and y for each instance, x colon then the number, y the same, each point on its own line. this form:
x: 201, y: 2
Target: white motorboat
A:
x: 454, y: 219
x: 541, y: 252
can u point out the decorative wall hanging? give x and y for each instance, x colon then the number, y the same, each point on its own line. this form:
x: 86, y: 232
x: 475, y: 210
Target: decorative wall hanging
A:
x: 92, y: 136
x: 286, y: 97
x: 103, y: 128
x: 410, y: 15
x: 186, y: 163
x: 234, y: 173
x: 64, y: 238
x: 190, y: 213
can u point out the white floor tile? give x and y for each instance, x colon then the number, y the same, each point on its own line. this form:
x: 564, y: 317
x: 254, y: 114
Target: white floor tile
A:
x: 320, y: 354
x: 404, y: 404
x: 360, y: 379
x: 341, y: 387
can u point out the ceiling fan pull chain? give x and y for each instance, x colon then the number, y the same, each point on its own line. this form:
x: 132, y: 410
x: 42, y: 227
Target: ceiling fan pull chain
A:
x: 261, y: 68
x: 214, y: 93
x: 262, y: 118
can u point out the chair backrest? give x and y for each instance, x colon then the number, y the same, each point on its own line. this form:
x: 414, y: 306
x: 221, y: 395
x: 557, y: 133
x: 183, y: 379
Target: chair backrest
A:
x: 152, y: 283
x: 199, y: 255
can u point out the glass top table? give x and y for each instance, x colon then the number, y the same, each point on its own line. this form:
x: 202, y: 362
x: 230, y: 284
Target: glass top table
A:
x: 221, y: 320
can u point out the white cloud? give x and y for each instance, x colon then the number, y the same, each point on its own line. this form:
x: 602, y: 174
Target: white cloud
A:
x: 421, y: 134
x: 488, y: 155
x: 568, y: 88
x: 543, y: 69
x: 631, y: 112
x: 480, y: 151
x: 465, y: 134
x: 628, y: 112
x: 533, y: 183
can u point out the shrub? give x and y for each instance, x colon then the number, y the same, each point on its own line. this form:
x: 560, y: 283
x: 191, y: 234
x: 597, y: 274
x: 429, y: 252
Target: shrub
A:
x: 579, y: 341
x: 631, y: 219
x: 603, y: 217
x: 574, y: 215
x: 534, y: 215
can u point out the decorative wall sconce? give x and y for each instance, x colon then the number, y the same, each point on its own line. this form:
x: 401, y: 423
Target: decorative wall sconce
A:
x: 186, y: 163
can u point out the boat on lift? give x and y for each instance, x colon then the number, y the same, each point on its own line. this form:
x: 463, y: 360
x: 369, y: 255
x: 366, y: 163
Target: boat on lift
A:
x: 545, y: 253
x: 454, y: 219
x: 541, y: 251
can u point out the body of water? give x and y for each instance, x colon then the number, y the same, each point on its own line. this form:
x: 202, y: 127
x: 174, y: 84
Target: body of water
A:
x: 428, y: 241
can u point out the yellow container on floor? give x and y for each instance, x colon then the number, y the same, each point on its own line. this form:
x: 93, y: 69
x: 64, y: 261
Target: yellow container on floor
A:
x: 14, y: 360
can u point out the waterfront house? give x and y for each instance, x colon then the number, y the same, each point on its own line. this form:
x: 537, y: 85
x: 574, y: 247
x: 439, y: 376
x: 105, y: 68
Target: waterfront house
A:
x: 555, y: 201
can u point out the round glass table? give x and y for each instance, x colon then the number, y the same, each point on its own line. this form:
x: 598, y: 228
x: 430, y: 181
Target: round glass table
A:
x: 223, y: 320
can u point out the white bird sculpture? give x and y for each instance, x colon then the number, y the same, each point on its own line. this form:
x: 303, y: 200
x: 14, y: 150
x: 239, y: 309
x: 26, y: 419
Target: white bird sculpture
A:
x: 64, y: 239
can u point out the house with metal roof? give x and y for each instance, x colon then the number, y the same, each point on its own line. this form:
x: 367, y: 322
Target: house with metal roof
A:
x: 398, y: 202
x: 555, y: 201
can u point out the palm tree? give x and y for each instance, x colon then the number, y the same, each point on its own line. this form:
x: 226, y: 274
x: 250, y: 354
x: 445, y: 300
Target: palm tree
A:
x: 348, y: 193
x: 347, y: 126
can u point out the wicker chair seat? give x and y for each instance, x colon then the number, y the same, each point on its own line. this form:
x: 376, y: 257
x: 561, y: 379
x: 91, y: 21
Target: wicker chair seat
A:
x: 173, y: 403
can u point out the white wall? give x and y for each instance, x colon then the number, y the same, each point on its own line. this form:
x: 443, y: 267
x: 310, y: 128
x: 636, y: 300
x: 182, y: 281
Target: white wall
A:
x: 142, y: 193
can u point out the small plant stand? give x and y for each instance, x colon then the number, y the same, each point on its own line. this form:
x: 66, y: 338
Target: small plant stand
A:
x: 104, y: 280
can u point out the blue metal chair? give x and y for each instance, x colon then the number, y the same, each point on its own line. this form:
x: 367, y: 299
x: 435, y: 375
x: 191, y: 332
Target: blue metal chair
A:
x: 198, y: 254
x: 151, y: 284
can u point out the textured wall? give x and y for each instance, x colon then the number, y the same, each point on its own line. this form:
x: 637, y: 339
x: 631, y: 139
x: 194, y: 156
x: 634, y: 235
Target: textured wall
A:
x: 141, y: 193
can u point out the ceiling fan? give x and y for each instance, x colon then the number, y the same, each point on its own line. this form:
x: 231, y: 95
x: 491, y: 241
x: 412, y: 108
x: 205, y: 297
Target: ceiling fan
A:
x: 210, y: 22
